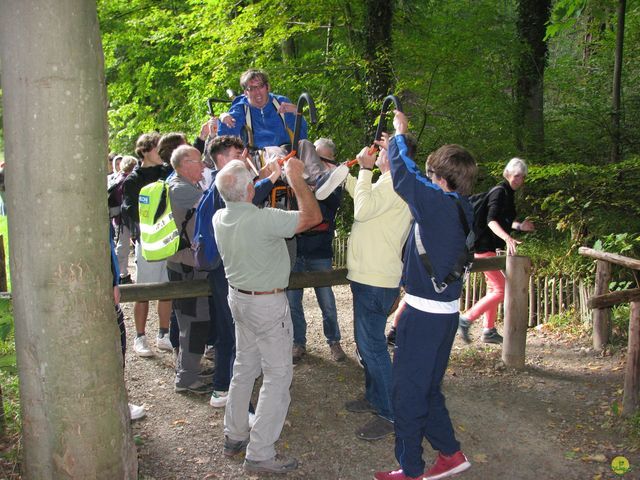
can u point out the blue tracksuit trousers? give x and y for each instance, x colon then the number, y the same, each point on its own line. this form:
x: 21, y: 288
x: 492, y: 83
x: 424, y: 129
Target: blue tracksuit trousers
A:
x: 423, y: 345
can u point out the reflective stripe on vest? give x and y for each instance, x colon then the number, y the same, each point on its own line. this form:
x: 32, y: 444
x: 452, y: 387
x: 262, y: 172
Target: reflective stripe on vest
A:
x: 159, y: 238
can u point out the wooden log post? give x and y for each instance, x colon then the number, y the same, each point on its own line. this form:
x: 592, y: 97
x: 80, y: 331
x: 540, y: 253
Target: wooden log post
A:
x: 516, y: 304
x: 631, y: 397
x: 601, y: 316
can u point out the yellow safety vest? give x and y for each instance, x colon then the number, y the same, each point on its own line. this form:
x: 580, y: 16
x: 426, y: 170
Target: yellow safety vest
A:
x: 159, y: 235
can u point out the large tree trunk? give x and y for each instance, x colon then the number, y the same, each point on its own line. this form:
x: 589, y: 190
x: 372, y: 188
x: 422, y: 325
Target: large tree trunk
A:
x: 617, y: 81
x: 377, y: 54
x: 74, y: 408
x: 529, y: 121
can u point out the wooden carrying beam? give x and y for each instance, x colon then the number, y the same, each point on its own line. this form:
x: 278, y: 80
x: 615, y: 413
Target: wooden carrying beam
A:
x: 614, y: 298
x: 200, y: 288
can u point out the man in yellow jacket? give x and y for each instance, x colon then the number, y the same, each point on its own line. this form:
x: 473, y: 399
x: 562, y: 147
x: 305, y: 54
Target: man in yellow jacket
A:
x: 374, y: 260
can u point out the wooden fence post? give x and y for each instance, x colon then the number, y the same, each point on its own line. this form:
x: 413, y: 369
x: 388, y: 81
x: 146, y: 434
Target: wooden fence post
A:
x: 516, y: 304
x: 601, y: 316
x: 631, y: 397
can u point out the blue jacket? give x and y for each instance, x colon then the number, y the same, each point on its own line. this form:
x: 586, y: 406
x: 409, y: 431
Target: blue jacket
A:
x: 437, y: 215
x: 266, y: 123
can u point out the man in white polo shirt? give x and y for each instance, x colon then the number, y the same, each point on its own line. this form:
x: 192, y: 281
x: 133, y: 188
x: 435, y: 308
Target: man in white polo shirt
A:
x: 252, y: 245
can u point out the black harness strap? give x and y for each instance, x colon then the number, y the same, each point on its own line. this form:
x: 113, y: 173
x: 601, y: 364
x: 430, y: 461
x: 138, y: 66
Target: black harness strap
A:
x: 464, y: 261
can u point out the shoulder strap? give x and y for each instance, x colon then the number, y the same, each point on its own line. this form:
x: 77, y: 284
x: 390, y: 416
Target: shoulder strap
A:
x: 464, y: 261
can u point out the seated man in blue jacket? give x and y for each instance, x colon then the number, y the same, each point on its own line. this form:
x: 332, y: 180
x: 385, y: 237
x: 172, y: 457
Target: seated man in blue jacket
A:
x: 268, y: 119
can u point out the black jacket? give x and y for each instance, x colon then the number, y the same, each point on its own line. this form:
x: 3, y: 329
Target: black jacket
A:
x: 501, y: 207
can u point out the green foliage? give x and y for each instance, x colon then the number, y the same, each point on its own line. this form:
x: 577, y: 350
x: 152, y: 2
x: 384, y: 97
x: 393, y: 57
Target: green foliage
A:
x: 456, y: 78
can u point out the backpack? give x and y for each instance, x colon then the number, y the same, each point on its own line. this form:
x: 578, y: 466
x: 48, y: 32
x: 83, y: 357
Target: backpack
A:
x: 205, y: 250
x: 159, y: 235
x: 115, y: 196
x: 480, y: 205
x: 464, y: 261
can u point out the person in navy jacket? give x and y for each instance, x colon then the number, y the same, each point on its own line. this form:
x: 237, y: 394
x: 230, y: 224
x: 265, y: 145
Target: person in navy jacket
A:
x: 428, y: 323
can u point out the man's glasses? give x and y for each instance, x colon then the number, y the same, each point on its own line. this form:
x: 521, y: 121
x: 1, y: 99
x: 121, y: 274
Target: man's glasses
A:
x: 253, y: 88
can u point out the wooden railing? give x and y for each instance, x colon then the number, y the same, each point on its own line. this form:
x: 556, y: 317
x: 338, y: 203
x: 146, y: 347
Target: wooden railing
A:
x: 516, y: 305
x: 601, y: 302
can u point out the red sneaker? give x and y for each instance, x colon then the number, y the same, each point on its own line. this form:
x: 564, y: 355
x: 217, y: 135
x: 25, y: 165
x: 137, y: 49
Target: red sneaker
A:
x: 446, y: 466
x: 394, y: 475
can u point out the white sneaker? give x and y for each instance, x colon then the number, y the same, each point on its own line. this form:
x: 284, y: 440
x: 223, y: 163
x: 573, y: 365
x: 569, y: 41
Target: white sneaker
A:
x: 141, y: 347
x: 218, y: 399
x: 163, y: 343
x: 136, y: 412
x: 330, y: 181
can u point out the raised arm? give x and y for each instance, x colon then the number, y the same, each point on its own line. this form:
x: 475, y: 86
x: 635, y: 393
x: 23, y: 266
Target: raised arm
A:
x: 308, y: 207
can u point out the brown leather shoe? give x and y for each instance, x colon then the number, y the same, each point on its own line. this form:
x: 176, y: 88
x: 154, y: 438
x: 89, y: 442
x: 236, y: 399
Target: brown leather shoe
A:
x: 298, y: 352
x: 337, y: 353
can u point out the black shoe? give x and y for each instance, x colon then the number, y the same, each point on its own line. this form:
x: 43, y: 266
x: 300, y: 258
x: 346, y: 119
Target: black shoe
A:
x: 361, y: 405
x: 491, y: 336
x: 375, y: 429
x: 391, y: 337
x: 125, y: 280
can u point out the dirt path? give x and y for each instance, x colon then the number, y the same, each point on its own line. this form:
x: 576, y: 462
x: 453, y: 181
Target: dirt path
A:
x: 553, y: 420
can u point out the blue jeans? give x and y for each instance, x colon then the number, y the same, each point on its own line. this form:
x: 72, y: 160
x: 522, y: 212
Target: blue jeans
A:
x: 326, y: 301
x: 224, y: 330
x: 371, y: 307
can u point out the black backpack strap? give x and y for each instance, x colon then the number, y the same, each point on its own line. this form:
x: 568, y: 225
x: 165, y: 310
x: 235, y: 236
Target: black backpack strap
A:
x: 184, y: 236
x: 464, y: 261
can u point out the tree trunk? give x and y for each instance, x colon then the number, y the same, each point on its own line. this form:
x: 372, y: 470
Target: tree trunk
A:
x: 377, y: 55
x: 617, y: 79
x: 533, y: 16
x: 74, y: 408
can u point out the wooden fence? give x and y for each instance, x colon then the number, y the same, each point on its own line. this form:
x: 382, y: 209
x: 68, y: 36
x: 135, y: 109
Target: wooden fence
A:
x: 548, y: 296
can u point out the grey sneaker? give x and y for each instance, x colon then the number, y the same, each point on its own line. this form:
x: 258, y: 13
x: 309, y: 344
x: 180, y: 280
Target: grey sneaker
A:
x: 337, y: 353
x: 360, y: 405
x: 234, y: 447
x: 277, y: 464
x: 491, y: 336
x: 198, y: 387
x: 298, y: 352
x: 463, y: 329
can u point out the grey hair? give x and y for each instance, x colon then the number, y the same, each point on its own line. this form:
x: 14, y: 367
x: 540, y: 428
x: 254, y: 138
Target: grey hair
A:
x: 516, y: 166
x: 179, y: 154
x: 128, y: 163
x: 232, y: 181
x: 325, y: 143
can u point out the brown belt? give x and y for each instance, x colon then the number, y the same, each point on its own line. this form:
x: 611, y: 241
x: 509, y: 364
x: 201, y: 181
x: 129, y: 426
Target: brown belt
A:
x: 249, y: 292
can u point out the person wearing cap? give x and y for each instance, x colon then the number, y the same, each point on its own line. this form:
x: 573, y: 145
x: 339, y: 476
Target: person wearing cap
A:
x: 314, y: 253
